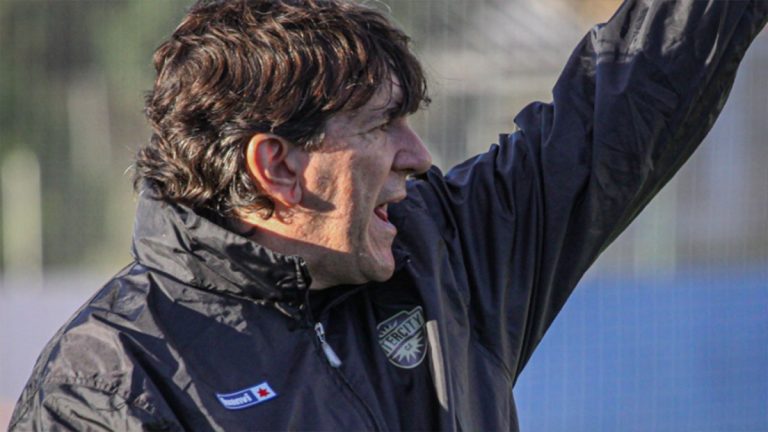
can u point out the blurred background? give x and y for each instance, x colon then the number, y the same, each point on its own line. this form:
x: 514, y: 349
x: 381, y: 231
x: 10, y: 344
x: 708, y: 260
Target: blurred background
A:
x: 668, y: 332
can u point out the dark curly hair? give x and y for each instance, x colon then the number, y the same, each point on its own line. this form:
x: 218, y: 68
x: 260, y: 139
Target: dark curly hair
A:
x: 235, y: 68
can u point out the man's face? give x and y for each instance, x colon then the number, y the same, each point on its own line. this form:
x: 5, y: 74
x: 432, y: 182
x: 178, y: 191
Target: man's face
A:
x: 359, y: 169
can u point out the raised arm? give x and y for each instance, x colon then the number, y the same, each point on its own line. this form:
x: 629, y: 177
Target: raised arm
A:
x: 529, y: 217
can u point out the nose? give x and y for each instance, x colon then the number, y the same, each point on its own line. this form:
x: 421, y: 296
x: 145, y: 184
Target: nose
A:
x: 413, y: 156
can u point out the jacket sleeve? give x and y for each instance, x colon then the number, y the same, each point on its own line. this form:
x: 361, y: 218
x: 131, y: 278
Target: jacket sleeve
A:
x: 72, y: 406
x: 529, y: 217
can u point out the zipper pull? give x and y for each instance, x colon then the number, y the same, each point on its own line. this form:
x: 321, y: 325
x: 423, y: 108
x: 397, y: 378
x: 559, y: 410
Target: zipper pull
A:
x: 331, y: 356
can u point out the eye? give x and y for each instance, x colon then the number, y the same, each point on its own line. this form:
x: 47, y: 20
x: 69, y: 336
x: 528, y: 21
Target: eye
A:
x: 383, y: 127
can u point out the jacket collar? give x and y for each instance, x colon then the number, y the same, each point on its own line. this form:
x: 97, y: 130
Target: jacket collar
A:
x: 171, y: 238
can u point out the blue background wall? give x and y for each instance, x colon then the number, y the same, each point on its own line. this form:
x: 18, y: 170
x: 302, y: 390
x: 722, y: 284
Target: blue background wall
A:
x: 681, y: 352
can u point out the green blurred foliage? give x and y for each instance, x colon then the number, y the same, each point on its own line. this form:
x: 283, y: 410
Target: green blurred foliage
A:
x: 50, y: 53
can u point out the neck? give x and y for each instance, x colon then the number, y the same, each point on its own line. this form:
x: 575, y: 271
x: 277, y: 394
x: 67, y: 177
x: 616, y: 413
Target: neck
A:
x: 278, y: 236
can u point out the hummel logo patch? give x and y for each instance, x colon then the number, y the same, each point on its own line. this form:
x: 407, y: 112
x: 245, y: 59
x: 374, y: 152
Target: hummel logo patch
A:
x: 402, y: 338
x: 247, y: 397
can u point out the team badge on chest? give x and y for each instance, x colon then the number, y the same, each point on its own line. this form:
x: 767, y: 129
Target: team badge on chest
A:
x: 402, y: 338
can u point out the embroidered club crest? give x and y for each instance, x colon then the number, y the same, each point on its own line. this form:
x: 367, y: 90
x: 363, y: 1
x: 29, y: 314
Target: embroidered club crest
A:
x: 402, y: 338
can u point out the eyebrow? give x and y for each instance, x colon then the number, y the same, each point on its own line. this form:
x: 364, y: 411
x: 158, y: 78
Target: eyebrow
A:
x: 393, y: 108
x: 389, y: 111
x: 384, y: 113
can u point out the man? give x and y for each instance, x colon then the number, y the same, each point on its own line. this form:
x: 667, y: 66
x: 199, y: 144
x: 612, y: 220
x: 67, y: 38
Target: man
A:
x: 299, y: 264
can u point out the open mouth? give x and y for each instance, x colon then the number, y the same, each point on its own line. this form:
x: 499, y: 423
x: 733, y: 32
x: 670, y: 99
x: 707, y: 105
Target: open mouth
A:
x: 381, y: 212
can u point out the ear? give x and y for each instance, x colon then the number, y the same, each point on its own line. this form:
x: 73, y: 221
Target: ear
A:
x: 277, y: 166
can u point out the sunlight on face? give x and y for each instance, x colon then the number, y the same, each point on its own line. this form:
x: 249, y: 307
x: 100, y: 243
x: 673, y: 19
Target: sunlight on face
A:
x: 359, y: 169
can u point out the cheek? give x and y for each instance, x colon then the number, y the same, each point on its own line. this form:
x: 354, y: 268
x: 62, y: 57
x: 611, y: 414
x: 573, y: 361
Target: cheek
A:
x: 325, y: 186
x: 337, y: 198
x: 323, y: 183
x: 364, y: 191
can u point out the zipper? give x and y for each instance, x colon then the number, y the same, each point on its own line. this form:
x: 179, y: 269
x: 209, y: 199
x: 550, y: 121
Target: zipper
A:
x: 330, y: 354
x: 335, y: 363
x: 317, y: 324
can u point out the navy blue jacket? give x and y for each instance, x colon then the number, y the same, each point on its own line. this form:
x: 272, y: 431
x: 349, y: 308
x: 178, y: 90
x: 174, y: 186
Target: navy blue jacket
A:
x: 207, y: 330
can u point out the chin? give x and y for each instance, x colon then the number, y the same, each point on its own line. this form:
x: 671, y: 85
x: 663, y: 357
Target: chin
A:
x: 376, y: 262
x: 384, y: 276
x: 380, y: 271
